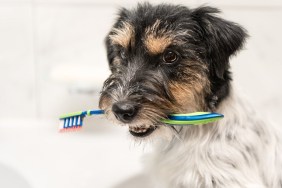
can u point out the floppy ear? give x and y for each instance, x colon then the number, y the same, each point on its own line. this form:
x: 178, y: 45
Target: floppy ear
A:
x: 221, y: 39
x: 122, y: 16
x: 110, y: 50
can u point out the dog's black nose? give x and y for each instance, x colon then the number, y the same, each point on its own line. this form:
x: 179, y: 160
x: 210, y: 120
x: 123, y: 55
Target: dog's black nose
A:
x: 125, y: 111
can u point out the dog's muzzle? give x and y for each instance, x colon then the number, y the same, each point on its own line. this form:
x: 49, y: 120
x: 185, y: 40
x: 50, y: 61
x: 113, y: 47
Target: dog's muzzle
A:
x: 126, y: 112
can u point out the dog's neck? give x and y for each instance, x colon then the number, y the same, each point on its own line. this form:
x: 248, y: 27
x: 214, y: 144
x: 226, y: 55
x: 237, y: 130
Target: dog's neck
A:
x: 231, y: 106
x: 189, y: 156
x: 234, y: 110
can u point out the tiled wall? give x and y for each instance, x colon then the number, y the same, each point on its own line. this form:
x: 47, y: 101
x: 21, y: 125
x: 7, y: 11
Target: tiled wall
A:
x: 38, y: 36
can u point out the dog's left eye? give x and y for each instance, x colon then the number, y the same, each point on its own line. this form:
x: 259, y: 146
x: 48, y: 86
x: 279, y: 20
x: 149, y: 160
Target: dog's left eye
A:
x: 170, y: 57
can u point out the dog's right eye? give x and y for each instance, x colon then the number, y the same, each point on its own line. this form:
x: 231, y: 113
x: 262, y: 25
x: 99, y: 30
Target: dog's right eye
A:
x: 170, y: 57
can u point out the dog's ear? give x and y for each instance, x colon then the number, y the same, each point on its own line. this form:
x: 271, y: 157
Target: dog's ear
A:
x: 221, y: 38
x: 122, y: 16
x: 110, y: 51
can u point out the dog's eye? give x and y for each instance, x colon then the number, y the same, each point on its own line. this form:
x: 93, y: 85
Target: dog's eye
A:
x: 170, y: 57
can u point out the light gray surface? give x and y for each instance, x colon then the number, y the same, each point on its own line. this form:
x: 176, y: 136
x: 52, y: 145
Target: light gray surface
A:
x: 10, y: 178
x: 35, y: 154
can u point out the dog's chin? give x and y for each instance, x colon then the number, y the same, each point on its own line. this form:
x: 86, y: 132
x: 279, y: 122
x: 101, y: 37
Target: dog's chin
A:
x: 152, y: 133
x: 142, y: 131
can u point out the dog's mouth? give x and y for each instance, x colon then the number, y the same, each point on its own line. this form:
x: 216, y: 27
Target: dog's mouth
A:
x: 142, y: 131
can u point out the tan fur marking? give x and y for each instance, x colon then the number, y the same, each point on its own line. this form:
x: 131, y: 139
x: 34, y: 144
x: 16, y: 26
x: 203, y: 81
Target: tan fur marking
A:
x: 123, y: 36
x: 156, y: 41
x: 157, y: 45
x: 184, y: 96
x: 191, y: 95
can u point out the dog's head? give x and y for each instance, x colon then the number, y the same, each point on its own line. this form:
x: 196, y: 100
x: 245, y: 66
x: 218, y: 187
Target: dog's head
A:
x: 167, y: 59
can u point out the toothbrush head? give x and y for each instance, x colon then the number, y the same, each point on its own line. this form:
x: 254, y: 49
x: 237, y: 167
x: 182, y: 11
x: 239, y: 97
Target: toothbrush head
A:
x: 74, y: 121
x: 71, y: 121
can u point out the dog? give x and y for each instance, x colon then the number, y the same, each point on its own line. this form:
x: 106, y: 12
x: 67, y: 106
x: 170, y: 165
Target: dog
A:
x: 167, y: 59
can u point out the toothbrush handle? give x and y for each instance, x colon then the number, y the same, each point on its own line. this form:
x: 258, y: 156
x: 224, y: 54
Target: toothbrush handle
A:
x: 95, y: 112
x: 188, y: 117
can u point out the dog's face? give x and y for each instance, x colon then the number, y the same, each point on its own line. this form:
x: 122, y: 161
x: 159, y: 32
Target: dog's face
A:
x: 166, y: 59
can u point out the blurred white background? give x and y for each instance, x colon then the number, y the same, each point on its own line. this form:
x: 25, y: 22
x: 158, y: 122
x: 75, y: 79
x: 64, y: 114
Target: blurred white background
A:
x: 53, y: 60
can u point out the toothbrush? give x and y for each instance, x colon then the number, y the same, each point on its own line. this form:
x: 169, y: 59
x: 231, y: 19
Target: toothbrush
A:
x: 74, y: 121
x: 195, y: 118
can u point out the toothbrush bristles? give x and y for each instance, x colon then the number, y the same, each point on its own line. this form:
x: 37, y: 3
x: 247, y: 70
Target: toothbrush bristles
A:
x: 73, y: 129
x: 71, y: 124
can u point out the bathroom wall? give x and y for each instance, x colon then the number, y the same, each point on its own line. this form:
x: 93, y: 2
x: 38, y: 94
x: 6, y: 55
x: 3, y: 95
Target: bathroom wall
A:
x: 52, y: 57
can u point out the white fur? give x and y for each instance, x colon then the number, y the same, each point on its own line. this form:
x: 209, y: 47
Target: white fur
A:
x: 239, y: 151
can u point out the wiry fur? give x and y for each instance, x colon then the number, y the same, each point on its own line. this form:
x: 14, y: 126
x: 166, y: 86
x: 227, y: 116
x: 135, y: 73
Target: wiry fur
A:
x: 239, y: 151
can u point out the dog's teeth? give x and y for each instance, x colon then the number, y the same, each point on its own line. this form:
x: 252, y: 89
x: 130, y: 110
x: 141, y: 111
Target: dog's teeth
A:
x: 140, y: 129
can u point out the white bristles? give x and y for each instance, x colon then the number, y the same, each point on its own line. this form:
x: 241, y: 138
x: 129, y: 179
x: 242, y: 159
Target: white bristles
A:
x: 70, y: 123
x: 78, y: 120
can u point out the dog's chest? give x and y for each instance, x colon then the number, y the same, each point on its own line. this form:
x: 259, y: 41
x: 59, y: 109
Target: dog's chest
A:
x: 184, y: 164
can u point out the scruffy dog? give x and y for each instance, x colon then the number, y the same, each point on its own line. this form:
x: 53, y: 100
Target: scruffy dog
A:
x: 169, y: 59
